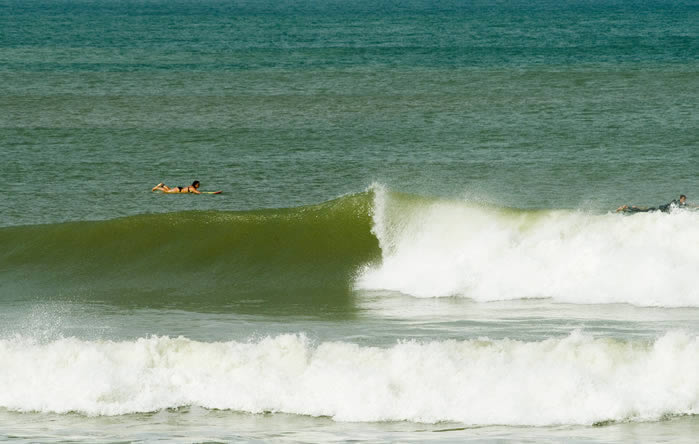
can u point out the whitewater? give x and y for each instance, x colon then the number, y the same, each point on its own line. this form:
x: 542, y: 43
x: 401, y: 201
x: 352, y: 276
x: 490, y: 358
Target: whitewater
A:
x: 577, y: 379
x: 375, y: 309
x: 438, y: 248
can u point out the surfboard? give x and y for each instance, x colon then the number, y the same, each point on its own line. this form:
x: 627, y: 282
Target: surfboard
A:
x: 211, y: 192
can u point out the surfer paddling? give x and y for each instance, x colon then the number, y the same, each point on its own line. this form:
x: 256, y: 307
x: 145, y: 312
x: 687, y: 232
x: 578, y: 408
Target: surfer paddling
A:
x: 193, y: 188
x: 676, y: 203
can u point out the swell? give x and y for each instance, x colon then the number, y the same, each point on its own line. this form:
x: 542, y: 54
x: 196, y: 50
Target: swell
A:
x: 303, y: 255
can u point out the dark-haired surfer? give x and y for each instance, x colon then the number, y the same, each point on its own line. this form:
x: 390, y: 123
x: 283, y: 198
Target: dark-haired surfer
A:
x: 677, y: 203
x: 193, y: 188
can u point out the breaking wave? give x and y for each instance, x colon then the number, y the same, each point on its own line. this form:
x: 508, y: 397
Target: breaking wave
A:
x: 375, y: 240
x: 434, y: 248
x: 572, y: 380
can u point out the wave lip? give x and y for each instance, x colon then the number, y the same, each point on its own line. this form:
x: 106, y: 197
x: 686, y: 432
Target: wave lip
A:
x: 573, y: 380
x: 433, y: 248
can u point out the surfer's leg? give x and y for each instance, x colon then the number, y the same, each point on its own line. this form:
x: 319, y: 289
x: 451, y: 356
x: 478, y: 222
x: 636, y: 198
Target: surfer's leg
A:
x: 166, y: 189
x: 639, y: 210
x: 633, y: 209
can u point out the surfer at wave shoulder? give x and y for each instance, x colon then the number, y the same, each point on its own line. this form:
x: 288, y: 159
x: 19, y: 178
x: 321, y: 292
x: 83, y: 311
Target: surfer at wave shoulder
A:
x: 676, y: 203
x: 193, y: 188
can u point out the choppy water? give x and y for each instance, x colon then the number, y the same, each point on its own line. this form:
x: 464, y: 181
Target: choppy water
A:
x: 415, y: 241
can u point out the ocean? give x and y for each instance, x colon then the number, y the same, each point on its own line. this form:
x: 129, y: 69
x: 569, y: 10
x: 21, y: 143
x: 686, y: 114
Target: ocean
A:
x: 416, y: 238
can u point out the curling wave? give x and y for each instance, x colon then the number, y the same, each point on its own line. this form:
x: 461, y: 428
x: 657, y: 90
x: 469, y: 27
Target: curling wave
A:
x: 196, y: 259
x: 379, y: 239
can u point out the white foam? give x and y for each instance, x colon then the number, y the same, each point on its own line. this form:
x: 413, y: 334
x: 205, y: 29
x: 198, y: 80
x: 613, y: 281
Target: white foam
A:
x: 572, y: 380
x: 441, y: 248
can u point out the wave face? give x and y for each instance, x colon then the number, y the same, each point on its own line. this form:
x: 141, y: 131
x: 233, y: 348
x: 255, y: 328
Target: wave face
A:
x: 303, y: 255
x: 436, y: 248
x: 315, y: 256
x: 571, y: 380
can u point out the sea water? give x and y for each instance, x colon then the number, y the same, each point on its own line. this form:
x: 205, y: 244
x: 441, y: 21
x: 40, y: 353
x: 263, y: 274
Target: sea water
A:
x: 416, y: 239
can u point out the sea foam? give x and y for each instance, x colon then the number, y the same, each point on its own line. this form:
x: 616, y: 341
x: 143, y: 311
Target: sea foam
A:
x: 576, y: 379
x: 434, y: 248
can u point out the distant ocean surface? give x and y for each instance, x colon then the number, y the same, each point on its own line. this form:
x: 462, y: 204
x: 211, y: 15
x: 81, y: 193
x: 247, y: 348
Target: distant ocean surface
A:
x: 416, y: 239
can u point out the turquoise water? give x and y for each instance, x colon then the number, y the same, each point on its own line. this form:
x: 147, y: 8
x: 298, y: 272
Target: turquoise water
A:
x: 416, y: 238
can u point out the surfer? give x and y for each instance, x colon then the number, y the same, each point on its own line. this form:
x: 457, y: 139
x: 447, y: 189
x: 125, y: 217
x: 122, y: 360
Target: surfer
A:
x: 193, y: 188
x: 676, y: 203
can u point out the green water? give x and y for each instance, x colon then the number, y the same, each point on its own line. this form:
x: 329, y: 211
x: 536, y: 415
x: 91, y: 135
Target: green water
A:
x: 417, y: 204
x: 528, y: 106
x: 526, y: 138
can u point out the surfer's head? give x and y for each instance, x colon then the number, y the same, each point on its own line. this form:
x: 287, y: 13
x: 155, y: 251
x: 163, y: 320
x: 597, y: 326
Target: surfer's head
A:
x: 683, y: 198
x: 195, y: 184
